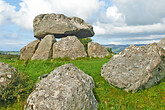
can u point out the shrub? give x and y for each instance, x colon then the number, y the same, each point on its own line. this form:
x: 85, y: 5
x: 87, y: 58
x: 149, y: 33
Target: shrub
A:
x: 18, y: 88
x: 85, y: 42
x: 62, y: 59
x: 109, y: 50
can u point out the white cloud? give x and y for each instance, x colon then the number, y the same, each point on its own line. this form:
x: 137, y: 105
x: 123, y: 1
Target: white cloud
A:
x: 115, y: 43
x: 113, y: 12
x: 13, y: 42
x: 140, y: 29
x: 150, y: 37
x: 141, y: 12
x: 30, y: 8
x: 133, y: 17
x: 12, y: 45
x: 6, y: 11
x: 14, y: 35
x: 112, y: 29
x: 146, y: 42
x: 133, y: 42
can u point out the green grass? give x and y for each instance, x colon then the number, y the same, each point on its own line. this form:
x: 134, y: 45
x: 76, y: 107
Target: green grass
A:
x: 108, y: 97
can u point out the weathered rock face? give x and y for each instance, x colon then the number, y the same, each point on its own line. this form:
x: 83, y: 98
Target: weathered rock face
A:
x: 44, y: 50
x: 28, y: 51
x: 97, y: 50
x: 69, y: 47
x: 136, y: 67
x: 65, y: 88
x: 6, y: 73
x: 161, y: 43
x: 60, y: 26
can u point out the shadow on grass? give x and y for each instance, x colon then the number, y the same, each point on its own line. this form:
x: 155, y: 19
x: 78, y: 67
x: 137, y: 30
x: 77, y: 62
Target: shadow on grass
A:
x: 96, y: 96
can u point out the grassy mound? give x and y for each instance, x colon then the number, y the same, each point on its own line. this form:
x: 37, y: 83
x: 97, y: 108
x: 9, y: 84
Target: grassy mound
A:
x: 108, y: 97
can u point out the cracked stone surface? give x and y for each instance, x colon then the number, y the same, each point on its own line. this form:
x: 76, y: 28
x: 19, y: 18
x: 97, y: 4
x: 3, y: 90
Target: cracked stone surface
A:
x: 28, y: 51
x: 69, y: 46
x: 65, y: 88
x: 97, y: 50
x: 161, y: 43
x: 136, y: 67
x: 61, y: 26
x: 45, y: 48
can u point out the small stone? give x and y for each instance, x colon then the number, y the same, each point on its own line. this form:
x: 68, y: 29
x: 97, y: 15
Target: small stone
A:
x: 9, y: 76
x: 132, y: 45
x: 2, y: 80
x: 97, y: 50
x: 6, y: 73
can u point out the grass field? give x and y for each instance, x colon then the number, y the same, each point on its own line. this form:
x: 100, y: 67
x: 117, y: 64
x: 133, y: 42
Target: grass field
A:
x: 108, y: 97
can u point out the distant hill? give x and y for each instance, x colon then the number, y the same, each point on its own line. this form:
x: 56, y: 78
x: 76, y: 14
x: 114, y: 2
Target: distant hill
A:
x: 118, y: 48
x: 10, y: 52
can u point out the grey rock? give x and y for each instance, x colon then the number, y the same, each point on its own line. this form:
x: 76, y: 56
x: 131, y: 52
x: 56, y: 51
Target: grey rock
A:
x: 44, y: 50
x: 28, y: 51
x: 65, y: 88
x: 6, y: 74
x: 161, y: 43
x: 136, y: 68
x: 69, y: 47
x: 97, y: 50
x: 60, y: 26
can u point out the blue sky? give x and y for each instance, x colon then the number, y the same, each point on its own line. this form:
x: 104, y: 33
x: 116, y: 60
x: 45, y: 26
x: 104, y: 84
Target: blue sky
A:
x: 114, y: 21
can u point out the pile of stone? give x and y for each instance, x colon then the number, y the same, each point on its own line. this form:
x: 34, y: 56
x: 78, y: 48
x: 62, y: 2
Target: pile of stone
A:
x: 47, y: 27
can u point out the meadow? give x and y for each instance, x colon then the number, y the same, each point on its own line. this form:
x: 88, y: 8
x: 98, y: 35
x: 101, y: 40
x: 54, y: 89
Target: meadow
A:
x: 108, y: 97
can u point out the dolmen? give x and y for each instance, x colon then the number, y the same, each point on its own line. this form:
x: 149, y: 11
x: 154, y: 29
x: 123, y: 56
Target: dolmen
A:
x: 48, y: 27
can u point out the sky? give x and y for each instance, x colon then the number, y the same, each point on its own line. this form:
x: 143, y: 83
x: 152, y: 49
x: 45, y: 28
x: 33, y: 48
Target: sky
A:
x: 114, y: 21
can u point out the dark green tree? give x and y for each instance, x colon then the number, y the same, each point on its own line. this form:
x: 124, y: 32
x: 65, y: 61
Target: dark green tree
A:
x: 85, y: 42
x: 109, y: 50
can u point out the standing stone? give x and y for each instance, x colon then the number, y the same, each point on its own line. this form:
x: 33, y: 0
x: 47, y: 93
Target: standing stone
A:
x: 65, y: 88
x: 69, y: 47
x: 161, y: 43
x: 97, y: 50
x: 44, y: 50
x: 6, y: 74
x: 61, y: 26
x: 136, y: 67
x: 28, y: 51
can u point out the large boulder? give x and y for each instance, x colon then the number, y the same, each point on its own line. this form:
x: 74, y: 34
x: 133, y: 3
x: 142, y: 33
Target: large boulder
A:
x: 6, y: 74
x: 60, y: 26
x: 161, y: 43
x: 44, y: 50
x: 70, y: 47
x: 97, y: 50
x: 136, y: 67
x: 65, y: 88
x: 28, y: 51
